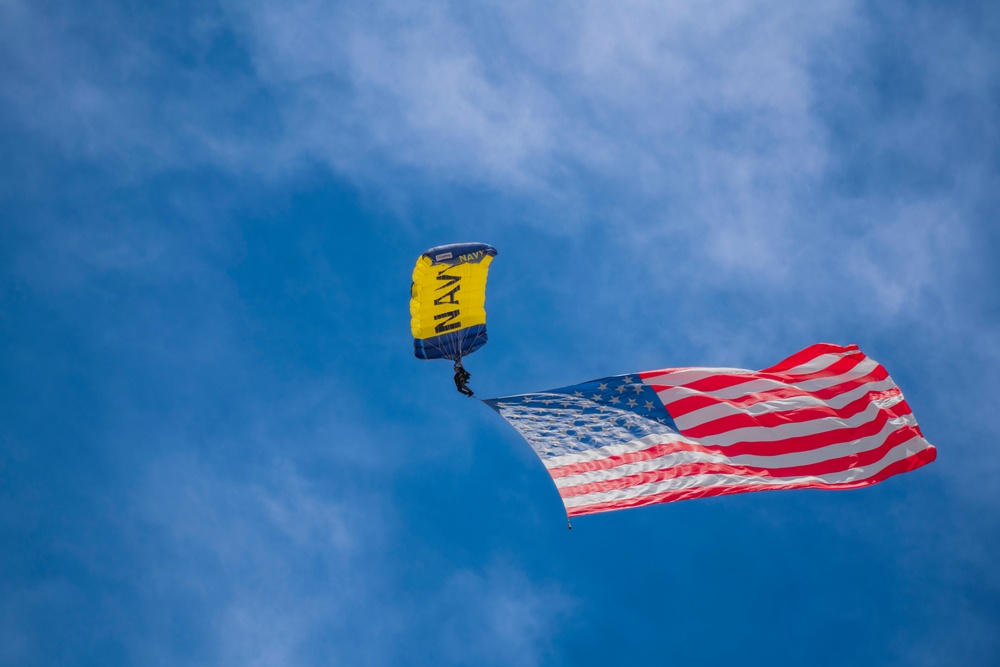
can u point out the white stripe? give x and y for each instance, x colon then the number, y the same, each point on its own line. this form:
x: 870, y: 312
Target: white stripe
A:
x: 862, y: 369
x: 661, y: 463
x: 726, y: 409
x: 811, y: 427
x: 666, y: 438
x: 614, y: 450
x: 822, y: 362
x: 682, y: 376
x: 774, y: 463
x: 834, y: 451
x: 898, y: 453
x: 759, y: 385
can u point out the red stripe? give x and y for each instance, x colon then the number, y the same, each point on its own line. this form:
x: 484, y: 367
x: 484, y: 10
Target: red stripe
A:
x: 712, y: 382
x: 780, y: 418
x: 786, y: 446
x: 807, y: 355
x: 843, y: 365
x: 715, y: 383
x: 848, y: 462
x: 683, y: 406
x: 650, y: 476
x: 825, y: 467
x: 797, y: 359
x: 802, y: 443
x: 654, y: 452
x: 877, y: 375
x: 760, y: 448
x: 839, y: 367
x: 913, y: 462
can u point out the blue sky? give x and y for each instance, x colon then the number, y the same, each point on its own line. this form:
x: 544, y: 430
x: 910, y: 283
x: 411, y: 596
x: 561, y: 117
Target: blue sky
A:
x: 216, y: 447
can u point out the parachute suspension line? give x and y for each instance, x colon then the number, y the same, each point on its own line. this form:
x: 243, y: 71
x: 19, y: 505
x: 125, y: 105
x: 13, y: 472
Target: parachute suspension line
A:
x: 461, y: 377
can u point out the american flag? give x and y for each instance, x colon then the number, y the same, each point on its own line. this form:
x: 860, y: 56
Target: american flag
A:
x: 827, y: 417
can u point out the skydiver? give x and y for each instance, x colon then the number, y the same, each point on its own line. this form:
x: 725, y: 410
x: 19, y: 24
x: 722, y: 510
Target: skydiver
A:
x: 461, y: 377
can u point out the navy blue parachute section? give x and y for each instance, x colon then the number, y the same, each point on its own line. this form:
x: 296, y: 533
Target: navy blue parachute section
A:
x: 452, y: 345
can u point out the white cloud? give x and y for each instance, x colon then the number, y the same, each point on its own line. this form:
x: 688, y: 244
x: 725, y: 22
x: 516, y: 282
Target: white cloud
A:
x: 284, y: 572
x: 512, y: 97
x: 702, y: 137
x: 706, y: 134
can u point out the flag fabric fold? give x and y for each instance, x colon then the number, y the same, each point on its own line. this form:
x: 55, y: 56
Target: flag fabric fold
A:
x: 827, y: 417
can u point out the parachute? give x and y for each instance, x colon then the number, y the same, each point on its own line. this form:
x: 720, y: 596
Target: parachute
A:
x: 448, y: 304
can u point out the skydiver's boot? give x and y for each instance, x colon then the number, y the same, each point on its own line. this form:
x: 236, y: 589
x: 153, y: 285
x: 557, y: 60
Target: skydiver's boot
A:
x: 461, y: 377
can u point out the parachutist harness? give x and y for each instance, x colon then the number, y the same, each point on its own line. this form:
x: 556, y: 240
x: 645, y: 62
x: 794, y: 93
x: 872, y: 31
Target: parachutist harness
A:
x: 461, y: 377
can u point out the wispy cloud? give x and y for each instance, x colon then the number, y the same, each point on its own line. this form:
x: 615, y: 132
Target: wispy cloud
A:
x: 283, y: 572
x: 622, y: 93
x: 710, y: 183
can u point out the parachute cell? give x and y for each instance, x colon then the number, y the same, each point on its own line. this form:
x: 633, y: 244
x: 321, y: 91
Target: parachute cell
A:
x: 448, y: 300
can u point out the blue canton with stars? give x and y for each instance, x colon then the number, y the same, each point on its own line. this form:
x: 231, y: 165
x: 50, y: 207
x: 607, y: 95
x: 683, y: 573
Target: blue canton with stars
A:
x: 599, y: 413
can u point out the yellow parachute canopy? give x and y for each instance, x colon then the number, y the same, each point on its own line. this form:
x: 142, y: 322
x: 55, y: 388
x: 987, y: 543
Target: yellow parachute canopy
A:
x: 448, y: 300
